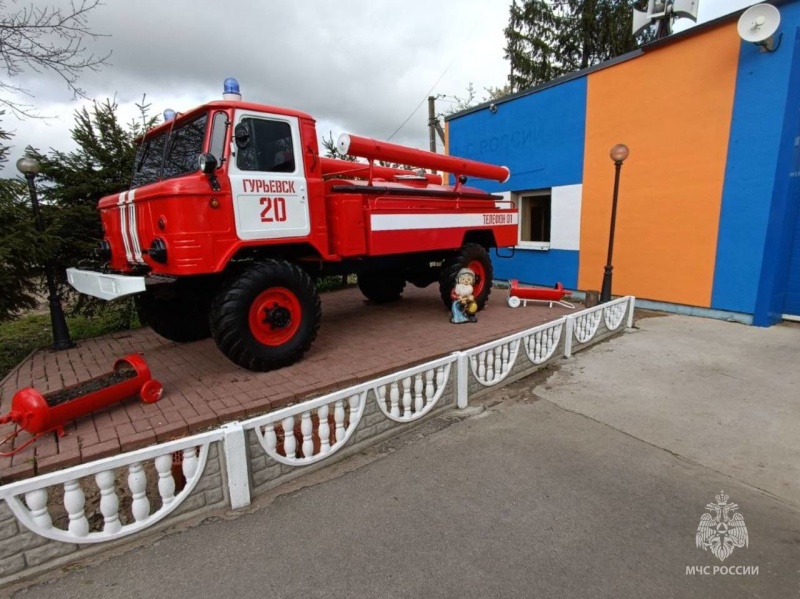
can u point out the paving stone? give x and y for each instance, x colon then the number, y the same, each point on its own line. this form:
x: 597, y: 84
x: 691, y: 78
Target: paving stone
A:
x: 101, y: 450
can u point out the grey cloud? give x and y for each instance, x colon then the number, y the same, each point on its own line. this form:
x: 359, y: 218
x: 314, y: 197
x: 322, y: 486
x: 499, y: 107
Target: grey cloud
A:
x: 364, y: 65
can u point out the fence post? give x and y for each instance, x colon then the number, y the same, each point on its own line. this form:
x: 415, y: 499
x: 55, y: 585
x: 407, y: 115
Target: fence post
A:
x: 462, y: 379
x: 236, y: 464
x: 631, y: 305
x: 568, y: 341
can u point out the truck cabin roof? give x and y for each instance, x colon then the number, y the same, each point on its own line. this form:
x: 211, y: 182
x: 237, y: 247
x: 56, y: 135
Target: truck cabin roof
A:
x: 222, y: 105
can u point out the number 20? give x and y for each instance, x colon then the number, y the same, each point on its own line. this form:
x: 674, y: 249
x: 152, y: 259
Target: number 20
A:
x: 277, y: 206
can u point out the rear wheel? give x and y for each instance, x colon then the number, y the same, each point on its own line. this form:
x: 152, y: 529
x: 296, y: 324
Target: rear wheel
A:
x: 267, y: 316
x: 181, y: 316
x: 476, y: 258
x: 381, y: 287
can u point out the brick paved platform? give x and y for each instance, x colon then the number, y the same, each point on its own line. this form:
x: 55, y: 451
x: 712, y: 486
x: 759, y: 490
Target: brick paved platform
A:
x: 202, y: 389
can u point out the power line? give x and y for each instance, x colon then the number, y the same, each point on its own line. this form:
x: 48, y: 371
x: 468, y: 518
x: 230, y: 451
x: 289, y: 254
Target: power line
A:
x: 447, y: 68
x: 425, y: 97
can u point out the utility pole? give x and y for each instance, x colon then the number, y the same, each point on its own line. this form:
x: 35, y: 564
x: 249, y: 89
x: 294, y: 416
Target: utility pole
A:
x: 434, y: 128
x: 432, y: 122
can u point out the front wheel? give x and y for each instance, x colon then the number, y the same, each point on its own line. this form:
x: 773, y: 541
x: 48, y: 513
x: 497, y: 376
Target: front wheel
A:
x: 267, y: 316
x: 476, y: 258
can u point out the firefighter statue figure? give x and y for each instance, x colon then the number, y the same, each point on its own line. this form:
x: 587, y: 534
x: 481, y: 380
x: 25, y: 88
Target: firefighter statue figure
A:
x: 464, y: 307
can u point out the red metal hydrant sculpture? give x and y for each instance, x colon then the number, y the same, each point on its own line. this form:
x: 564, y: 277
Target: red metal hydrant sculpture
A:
x: 521, y: 295
x: 40, y: 414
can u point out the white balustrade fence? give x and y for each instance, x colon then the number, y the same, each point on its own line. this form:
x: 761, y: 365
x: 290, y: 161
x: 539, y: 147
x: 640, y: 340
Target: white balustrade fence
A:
x: 295, y: 436
x: 306, y: 433
x: 29, y: 500
x: 583, y: 326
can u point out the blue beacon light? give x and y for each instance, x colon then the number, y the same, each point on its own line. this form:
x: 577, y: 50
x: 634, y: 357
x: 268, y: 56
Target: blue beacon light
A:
x: 231, y: 86
x: 169, y: 114
x: 231, y: 90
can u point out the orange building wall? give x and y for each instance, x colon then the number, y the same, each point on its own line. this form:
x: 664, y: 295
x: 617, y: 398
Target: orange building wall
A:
x: 671, y: 184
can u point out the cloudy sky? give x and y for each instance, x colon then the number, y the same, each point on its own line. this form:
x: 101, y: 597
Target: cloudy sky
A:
x: 356, y: 66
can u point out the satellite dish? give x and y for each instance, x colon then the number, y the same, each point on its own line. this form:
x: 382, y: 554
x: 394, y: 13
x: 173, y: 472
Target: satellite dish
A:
x: 758, y: 25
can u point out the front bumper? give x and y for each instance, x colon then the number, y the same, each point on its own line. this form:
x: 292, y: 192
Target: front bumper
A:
x: 104, y: 286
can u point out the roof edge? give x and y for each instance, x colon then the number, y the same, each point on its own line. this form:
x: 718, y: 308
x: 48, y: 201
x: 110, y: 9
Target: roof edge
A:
x: 649, y: 47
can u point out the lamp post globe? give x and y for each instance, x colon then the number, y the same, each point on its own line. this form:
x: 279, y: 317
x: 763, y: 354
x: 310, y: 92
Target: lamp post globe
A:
x: 29, y: 167
x: 619, y: 153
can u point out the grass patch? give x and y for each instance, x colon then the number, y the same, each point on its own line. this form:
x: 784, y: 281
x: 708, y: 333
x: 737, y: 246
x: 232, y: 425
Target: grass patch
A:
x: 20, y: 337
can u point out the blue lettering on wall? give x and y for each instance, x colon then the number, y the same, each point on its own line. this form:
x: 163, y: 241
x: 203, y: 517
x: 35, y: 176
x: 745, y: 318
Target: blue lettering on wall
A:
x: 539, y: 137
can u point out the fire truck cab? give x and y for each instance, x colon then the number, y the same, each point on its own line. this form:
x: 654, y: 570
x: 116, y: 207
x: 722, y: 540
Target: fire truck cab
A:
x: 232, y: 214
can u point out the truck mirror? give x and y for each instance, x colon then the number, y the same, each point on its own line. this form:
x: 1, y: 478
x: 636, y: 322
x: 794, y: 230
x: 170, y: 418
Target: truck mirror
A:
x: 241, y: 135
x: 207, y: 163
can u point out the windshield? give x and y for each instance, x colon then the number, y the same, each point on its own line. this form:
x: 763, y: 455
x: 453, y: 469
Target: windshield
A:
x: 155, y: 162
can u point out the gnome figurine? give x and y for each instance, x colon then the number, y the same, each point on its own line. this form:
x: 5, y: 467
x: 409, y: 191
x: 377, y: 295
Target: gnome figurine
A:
x: 464, y: 307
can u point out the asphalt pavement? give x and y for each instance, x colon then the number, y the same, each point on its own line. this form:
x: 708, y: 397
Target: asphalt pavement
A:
x: 528, y: 498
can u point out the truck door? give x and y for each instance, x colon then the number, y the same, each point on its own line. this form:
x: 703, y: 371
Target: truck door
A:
x: 270, y: 198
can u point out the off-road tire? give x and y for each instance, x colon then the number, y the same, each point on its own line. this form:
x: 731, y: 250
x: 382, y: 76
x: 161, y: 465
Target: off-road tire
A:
x: 266, y: 316
x: 381, y: 287
x: 469, y: 255
x: 182, y: 317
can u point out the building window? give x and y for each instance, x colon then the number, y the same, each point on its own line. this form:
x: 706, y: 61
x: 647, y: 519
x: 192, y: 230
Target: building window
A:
x: 534, y: 218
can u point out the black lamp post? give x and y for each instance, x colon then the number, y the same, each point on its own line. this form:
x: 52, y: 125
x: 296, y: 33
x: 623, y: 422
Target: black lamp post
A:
x: 61, y: 340
x: 618, y: 154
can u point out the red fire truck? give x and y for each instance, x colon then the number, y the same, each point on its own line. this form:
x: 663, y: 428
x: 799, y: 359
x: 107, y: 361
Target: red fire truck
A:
x: 232, y: 214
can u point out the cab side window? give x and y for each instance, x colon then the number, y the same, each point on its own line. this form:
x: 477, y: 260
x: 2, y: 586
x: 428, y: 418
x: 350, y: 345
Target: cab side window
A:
x: 219, y: 127
x: 264, y: 145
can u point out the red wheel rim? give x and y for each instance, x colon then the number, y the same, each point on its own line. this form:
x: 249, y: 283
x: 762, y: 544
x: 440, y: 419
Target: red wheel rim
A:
x: 476, y: 266
x: 275, y: 316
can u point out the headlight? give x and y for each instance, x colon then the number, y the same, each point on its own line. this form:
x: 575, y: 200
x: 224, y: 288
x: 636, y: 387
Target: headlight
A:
x: 158, y: 250
x: 104, y: 251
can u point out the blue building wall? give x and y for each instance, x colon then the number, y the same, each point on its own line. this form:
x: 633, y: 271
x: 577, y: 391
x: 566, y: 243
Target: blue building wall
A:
x: 783, y: 218
x: 757, y: 125
x: 539, y: 267
x: 540, y: 138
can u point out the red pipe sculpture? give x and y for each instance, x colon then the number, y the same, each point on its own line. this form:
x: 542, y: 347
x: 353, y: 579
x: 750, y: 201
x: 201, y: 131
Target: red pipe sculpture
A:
x: 346, y: 169
x: 372, y: 149
x: 40, y: 414
x: 521, y: 295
